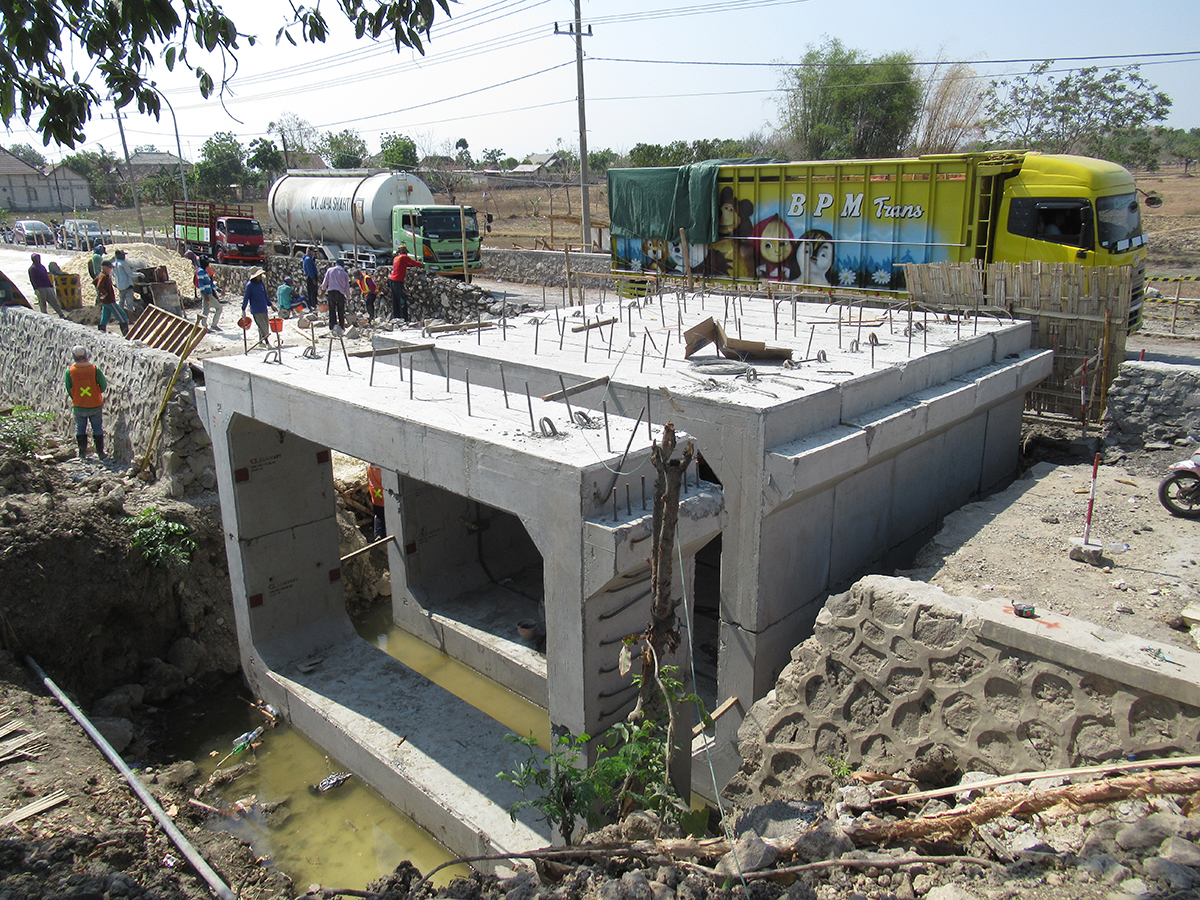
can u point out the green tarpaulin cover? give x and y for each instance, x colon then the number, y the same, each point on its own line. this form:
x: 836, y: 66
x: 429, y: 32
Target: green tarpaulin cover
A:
x: 657, y: 202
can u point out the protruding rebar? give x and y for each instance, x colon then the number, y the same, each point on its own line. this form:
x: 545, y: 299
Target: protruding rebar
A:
x: 410, y: 377
x: 503, y: 385
x: 628, y: 501
x: 666, y: 349
x: 643, y: 493
x: 616, y: 515
x: 811, y: 334
x: 567, y: 398
x: 447, y: 371
x: 642, y: 364
x: 468, y: 383
x: 537, y: 329
x: 607, y: 439
x: 529, y: 400
x: 649, y: 428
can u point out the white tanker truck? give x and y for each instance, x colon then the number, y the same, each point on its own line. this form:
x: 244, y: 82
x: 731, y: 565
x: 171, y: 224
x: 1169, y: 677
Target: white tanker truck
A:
x: 363, y: 216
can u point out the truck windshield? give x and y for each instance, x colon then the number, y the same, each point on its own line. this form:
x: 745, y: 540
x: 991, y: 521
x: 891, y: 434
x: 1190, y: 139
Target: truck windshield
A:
x: 244, y: 226
x: 1120, y: 222
x: 443, y: 224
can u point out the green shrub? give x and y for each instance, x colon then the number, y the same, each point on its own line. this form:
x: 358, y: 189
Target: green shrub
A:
x: 162, y: 542
x: 21, y: 430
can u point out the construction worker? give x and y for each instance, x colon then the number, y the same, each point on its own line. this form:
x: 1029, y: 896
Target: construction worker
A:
x: 86, y: 386
x: 368, y: 289
x: 106, y: 295
x: 400, y: 266
x: 375, y: 486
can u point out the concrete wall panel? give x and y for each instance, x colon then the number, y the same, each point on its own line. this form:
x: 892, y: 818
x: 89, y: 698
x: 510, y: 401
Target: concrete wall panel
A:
x: 870, y: 391
x: 861, y: 511
x: 1001, y: 443
x: 794, y: 564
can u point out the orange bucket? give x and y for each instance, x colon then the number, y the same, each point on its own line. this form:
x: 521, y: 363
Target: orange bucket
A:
x: 244, y: 322
x: 276, y: 325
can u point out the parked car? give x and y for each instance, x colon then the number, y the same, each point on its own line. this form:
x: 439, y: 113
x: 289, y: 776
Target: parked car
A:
x: 32, y: 231
x: 81, y: 234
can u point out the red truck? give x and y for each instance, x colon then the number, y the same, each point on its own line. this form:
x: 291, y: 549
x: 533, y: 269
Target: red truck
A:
x: 229, y: 234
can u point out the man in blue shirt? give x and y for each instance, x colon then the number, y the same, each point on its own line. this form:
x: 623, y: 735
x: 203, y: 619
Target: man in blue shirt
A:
x: 311, y: 277
x: 256, y: 298
x: 208, y: 293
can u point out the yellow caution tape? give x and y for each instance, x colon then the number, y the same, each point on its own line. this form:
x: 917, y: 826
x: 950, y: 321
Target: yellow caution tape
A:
x: 1176, y: 278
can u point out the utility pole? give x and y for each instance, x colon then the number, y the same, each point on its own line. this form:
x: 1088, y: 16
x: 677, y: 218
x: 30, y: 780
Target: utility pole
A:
x: 129, y: 165
x: 585, y: 207
x: 178, y: 148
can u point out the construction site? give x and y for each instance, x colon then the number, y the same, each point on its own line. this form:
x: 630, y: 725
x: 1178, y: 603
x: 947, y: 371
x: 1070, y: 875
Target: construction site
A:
x: 827, y: 438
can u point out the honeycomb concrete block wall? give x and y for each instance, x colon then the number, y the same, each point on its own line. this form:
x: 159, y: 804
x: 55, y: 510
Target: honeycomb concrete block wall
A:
x: 899, y: 671
x: 35, y: 350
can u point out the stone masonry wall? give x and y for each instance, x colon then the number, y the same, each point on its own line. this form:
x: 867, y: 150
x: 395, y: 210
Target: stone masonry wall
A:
x: 899, y: 672
x: 35, y: 351
x: 1153, y: 401
x: 546, y: 267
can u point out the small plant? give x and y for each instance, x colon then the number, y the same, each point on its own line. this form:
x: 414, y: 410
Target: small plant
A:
x: 21, y: 430
x: 840, y: 769
x: 163, y: 543
x: 565, y: 791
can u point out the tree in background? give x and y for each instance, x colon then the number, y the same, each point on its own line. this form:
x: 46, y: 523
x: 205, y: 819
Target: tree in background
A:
x: 600, y: 161
x: 681, y: 153
x: 265, y: 157
x: 296, y: 136
x: 99, y: 167
x: 952, y: 109
x: 838, y: 103
x: 222, y: 163
x: 44, y: 45
x: 343, y: 150
x: 1086, y: 111
x: 463, y: 156
x: 399, y: 152
x: 27, y: 154
x: 1181, y: 146
x: 492, y: 159
x: 161, y: 187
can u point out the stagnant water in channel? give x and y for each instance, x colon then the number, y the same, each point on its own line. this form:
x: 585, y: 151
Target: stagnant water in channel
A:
x: 350, y: 835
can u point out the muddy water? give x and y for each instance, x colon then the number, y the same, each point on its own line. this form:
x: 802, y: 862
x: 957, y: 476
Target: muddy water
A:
x: 350, y: 835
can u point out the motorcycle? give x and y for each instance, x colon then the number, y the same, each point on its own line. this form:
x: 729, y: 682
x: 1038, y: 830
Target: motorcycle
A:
x: 1180, y: 490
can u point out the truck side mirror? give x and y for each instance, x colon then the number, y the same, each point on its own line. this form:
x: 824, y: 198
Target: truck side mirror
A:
x: 489, y: 219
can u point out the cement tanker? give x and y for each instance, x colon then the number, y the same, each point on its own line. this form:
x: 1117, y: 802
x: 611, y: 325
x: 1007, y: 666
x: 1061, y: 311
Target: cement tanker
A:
x: 344, y: 215
x: 361, y: 217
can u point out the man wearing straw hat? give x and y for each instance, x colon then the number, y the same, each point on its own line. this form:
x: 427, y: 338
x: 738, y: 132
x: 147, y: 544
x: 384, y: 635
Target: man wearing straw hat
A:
x: 256, y: 298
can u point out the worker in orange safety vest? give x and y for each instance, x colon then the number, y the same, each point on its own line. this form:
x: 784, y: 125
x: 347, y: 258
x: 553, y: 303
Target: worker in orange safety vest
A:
x: 375, y: 486
x: 86, y: 386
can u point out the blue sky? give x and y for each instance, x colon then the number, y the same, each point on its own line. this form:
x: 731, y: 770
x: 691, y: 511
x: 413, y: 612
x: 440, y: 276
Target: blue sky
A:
x: 496, y: 74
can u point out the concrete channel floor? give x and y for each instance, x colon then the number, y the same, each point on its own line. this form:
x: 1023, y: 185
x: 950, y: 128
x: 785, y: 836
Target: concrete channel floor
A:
x: 437, y: 742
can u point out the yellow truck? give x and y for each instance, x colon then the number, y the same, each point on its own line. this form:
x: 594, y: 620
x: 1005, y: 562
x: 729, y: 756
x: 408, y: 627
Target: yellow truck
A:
x: 852, y: 223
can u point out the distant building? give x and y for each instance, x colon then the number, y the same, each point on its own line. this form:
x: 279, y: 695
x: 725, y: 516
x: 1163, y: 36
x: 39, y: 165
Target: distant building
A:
x: 25, y: 188
x: 539, y: 164
x: 145, y: 163
x: 71, y: 190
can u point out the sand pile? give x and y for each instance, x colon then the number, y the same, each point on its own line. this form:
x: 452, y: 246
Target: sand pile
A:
x: 179, y: 269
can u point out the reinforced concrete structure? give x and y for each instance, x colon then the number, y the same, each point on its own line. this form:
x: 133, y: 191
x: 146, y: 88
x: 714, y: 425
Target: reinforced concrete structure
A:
x: 507, y: 507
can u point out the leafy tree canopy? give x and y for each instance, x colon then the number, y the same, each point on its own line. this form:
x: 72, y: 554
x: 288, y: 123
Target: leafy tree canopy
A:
x: 222, y: 163
x: 677, y: 153
x: 838, y: 103
x: 44, y: 45
x: 343, y: 149
x: 1181, y: 146
x: 27, y: 154
x: 493, y: 159
x: 99, y: 167
x: 399, y: 152
x: 601, y: 160
x: 1085, y: 111
x: 265, y: 156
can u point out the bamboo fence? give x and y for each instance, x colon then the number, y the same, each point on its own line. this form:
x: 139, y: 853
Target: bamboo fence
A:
x: 1079, y: 312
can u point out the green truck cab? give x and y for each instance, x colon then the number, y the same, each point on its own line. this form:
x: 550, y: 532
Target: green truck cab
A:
x: 439, y: 236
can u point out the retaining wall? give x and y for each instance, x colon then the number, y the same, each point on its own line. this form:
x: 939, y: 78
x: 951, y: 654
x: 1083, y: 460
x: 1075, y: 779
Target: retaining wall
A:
x: 1153, y: 401
x: 35, y: 351
x: 548, y: 267
x: 899, y: 671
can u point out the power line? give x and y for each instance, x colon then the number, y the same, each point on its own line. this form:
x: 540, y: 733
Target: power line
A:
x: 937, y: 62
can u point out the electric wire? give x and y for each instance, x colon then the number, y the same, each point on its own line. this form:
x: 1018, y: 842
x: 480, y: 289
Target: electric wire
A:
x: 712, y: 769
